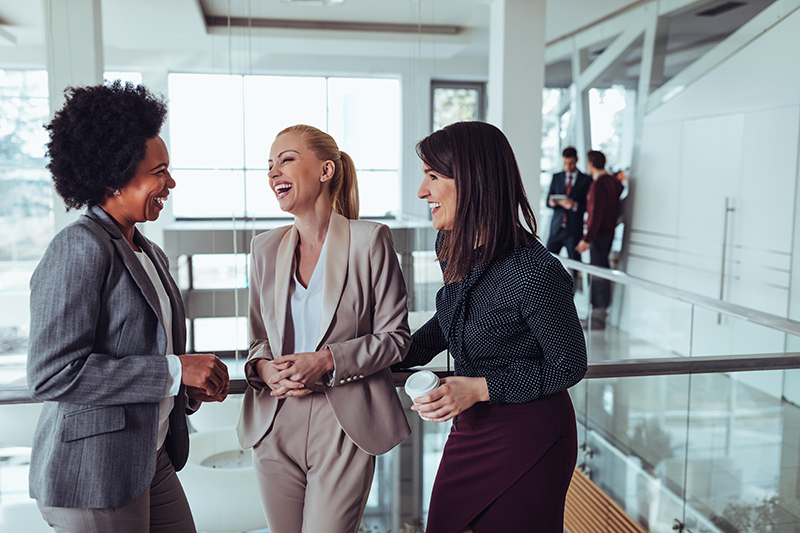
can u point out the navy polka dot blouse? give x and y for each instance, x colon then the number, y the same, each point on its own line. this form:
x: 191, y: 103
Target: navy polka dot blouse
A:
x: 512, y: 321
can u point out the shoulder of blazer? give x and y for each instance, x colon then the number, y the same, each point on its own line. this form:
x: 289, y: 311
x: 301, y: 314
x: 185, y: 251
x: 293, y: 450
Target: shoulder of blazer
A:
x: 269, y: 240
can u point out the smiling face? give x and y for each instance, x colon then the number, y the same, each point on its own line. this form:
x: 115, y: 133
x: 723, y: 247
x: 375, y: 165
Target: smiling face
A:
x: 296, y: 175
x: 143, y: 198
x: 440, y: 193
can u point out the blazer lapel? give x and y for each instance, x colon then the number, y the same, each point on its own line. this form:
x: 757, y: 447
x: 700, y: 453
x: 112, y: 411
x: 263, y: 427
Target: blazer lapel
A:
x: 128, y: 256
x: 336, y: 263
x: 284, y: 262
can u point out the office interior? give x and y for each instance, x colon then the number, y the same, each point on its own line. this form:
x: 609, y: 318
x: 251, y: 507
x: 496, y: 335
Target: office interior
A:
x: 696, y: 101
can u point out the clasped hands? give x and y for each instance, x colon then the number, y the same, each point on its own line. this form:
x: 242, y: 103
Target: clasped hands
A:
x: 295, y: 375
x: 205, y: 377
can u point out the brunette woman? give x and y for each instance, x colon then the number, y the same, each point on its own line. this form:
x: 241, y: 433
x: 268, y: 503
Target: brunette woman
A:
x: 506, y: 314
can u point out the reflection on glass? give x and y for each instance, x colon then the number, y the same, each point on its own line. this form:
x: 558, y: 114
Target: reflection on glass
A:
x: 715, y: 335
x: 454, y: 105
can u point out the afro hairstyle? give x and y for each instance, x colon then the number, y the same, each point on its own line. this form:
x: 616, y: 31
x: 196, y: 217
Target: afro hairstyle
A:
x: 99, y: 137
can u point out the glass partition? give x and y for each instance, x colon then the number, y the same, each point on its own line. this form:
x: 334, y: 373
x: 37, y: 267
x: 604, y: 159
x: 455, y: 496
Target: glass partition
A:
x: 717, y: 452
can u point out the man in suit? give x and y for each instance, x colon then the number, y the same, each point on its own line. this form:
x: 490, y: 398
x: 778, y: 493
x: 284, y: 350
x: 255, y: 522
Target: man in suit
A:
x: 567, y: 198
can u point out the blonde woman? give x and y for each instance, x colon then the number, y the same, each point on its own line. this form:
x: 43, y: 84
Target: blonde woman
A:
x: 327, y: 319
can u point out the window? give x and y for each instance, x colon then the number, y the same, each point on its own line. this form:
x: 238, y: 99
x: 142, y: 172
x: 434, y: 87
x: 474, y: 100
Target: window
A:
x: 26, y: 198
x: 455, y: 102
x: 221, y: 129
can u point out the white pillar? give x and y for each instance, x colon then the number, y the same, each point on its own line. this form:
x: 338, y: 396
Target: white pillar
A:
x: 74, y: 52
x: 516, y: 80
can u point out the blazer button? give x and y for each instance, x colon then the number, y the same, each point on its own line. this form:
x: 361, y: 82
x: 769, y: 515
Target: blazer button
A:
x: 341, y: 381
x: 361, y: 376
x: 349, y: 380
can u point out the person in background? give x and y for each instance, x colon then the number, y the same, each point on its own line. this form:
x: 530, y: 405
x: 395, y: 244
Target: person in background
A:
x: 327, y: 319
x: 602, y: 206
x: 106, y: 322
x: 567, y: 199
x: 507, y: 315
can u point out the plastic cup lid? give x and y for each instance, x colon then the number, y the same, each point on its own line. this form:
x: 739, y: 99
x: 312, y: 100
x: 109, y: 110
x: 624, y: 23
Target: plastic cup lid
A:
x: 421, y: 383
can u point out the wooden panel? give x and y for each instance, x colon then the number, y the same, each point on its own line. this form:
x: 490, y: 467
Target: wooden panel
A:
x: 590, y: 510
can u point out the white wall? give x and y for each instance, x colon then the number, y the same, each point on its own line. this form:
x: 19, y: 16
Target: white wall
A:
x: 734, y: 133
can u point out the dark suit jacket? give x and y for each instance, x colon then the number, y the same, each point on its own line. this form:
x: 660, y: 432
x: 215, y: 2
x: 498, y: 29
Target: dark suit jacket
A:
x: 96, y: 358
x: 578, y: 193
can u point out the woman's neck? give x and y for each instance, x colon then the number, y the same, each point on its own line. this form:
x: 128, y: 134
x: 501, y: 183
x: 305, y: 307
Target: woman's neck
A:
x: 312, y: 226
x: 127, y: 228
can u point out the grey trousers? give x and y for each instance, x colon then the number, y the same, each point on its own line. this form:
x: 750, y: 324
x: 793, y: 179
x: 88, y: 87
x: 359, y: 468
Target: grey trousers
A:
x: 311, y: 476
x: 161, y: 508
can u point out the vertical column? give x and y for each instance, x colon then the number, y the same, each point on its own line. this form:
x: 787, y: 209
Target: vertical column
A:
x: 516, y: 80
x: 580, y: 101
x: 74, y: 53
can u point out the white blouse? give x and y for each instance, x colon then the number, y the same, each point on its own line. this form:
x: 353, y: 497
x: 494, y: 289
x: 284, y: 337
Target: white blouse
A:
x: 306, y: 305
x: 174, y: 378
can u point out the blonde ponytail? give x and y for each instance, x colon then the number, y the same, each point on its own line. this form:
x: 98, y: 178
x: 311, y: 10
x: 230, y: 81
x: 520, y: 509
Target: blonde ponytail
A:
x: 345, y: 189
x: 344, y: 186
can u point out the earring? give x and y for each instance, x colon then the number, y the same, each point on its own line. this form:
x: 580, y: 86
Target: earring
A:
x: 115, y: 193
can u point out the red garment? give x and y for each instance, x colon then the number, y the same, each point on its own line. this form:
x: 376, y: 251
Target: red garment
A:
x: 602, y: 206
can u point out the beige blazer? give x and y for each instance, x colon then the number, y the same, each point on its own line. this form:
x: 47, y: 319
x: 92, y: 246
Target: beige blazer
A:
x: 364, y: 323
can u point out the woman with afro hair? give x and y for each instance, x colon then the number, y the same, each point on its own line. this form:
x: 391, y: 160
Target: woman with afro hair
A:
x: 108, y: 330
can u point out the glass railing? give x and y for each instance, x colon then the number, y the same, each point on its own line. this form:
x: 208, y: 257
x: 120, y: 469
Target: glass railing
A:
x: 688, y: 418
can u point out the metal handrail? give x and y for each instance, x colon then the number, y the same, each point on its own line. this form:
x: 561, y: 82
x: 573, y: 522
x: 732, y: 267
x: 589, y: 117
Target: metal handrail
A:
x: 786, y: 325
x: 16, y: 394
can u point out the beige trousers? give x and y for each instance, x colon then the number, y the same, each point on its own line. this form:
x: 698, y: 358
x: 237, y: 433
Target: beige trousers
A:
x: 312, y: 477
x: 160, y: 509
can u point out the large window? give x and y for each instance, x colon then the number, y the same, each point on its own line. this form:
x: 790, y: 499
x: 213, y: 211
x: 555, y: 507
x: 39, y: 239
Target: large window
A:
x: 26, y: 202
x: 221, y: 129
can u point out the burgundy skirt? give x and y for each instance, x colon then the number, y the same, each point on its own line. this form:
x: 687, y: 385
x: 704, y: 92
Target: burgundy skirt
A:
x: 506, y: 467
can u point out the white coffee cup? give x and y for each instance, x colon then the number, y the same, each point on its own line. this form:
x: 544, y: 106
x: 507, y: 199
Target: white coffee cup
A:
x: 421, y: 383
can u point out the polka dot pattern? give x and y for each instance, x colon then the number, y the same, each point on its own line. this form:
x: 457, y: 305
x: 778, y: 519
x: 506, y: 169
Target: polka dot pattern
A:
x: 512, y: 321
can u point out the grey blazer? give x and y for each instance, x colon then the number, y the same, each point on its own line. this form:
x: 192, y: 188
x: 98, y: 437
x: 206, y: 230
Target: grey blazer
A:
x: 96, y: 359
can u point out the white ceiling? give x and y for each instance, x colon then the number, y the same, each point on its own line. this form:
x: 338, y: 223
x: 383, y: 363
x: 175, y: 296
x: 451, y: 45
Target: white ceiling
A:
x: 132, y: 27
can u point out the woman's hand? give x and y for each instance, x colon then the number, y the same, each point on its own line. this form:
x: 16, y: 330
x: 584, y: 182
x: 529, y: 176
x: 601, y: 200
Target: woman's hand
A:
x: 201, y: 396
x: 281, y: 388
x: 454, y: 396
x: 306, y: 368
x: 206, y: 372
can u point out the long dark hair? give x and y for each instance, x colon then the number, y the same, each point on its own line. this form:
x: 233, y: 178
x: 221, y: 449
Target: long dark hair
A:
x: 491, y: 201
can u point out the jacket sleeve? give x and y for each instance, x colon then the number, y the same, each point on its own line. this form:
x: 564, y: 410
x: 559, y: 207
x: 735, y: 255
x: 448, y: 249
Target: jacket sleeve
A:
x: 390, y: 338
x: 551, y: 193
x: 259, y: 343
x: 66, y: 298
x: 548, y: 308
x: 426, y: 343
x: 599, y: 205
